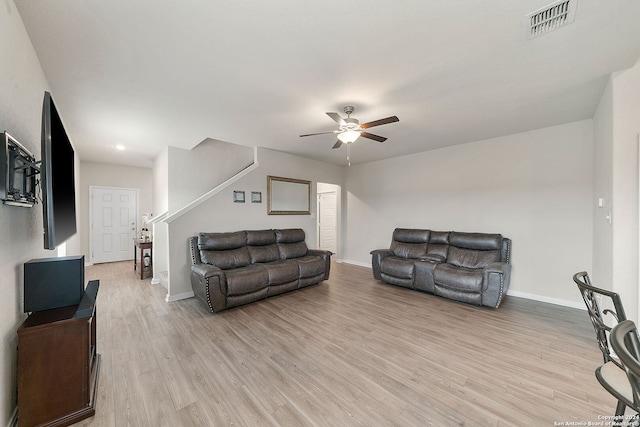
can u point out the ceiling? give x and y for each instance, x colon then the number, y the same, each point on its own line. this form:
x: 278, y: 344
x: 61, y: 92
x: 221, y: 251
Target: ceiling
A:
x: 148, y: 73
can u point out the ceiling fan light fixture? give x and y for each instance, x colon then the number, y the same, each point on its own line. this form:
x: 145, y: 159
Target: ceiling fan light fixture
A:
x: 348, y: 136
x: 350, y: 124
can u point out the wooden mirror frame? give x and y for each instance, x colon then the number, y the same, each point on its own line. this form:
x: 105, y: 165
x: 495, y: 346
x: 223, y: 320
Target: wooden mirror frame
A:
x: 280, y: 189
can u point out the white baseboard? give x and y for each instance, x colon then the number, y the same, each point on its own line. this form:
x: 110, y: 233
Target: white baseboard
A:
x: 550, y: 300
x: 178, y: 297
x: 358, y: 263
x: 88, y: 264
x: 155, y: 281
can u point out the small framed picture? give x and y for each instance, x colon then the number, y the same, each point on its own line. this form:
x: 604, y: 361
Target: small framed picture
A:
x: 238, y: 196
x: 256, y: 197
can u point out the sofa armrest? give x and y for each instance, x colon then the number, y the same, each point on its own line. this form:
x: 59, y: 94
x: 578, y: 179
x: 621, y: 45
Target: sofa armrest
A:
x: 193, y: 250
x: 206, y: 270
x: 495, y: 283
x: 207, y: 282
x: 376, y: 257
x: 326, y: 257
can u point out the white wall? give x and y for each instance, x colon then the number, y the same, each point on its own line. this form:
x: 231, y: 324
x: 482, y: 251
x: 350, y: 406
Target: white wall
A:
x: 182, y: 176
x: 160, y: 208
x: 21, y: 93
x: 194, y: 172
x: 161, y: 182
x: 533, y: 187
x: 626, y: 128
x: 108, y: 175
x: 602, y: 274
x: 220, y: 213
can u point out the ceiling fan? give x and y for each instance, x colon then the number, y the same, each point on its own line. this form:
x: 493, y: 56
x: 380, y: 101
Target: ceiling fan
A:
x: 350, y: 129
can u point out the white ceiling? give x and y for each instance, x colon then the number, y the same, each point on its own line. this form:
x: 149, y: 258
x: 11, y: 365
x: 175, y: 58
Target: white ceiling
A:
x: 149, y: 73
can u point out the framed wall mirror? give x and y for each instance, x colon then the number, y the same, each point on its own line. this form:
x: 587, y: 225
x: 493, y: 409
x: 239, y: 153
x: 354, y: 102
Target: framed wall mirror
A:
x: 287, y: 196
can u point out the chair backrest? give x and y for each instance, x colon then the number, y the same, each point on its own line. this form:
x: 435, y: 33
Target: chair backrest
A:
x: 596, y: 314
x: 624, y: 340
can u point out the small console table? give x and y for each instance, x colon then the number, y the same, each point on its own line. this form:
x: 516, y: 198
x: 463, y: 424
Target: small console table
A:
x: 58, y: 364
x: 140, y: 246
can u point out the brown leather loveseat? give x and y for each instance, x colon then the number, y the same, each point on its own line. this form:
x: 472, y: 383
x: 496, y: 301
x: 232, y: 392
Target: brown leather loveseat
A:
x: 470, y: 267
x: 231, y: 269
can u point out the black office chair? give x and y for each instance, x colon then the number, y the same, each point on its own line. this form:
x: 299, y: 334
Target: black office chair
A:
x: 626, y: 386
x: 597, y: 315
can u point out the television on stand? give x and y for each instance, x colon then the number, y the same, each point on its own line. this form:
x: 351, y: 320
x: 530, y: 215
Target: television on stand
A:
x: 57, y: 175
x: 53, y: 283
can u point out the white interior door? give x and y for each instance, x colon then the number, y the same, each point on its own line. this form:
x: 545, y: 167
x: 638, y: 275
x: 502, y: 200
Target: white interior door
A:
x: 114, y: 213
x: 328, y: 221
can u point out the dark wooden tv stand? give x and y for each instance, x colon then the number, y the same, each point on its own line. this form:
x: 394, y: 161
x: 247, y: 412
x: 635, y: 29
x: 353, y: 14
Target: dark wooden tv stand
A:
x: 58, y: 364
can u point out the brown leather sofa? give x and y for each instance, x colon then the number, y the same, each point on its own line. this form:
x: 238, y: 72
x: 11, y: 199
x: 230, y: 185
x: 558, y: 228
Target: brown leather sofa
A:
x: 231, y: 269
x: 474, y: 268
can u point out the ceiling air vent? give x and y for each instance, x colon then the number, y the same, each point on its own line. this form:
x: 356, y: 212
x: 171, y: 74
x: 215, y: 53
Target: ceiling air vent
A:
x: 551, y: 17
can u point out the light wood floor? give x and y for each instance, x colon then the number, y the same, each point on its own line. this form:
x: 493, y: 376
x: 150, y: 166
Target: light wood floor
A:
x: 350, y: 351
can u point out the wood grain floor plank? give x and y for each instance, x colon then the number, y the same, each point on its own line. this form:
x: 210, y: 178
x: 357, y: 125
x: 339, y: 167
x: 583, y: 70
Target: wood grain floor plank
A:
x: 350, y: 352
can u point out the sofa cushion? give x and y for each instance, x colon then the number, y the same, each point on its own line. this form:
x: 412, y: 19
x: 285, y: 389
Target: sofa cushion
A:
x: 436, y: 252
x: 457, y: 294
x: 409, y: 242
x: 408, y: 250
x: 261, y: 237
x: 292, y: 250
x: 290, y: 235
x: 397, y: 267
x: 282, y: 271
x: 221, y: 241
x: 460, y: 278
x: 265, y: 253
x: 411, y: 235
x: 438, y: 246
x: 479, y: 241
x: 247, y: 279
x: 310, y: 266
x: 280, y: 289
x: 236, y: 300
x: 225, y: 260
x: 398, y: 281
x: 439, y: 238
x: 470, y: 258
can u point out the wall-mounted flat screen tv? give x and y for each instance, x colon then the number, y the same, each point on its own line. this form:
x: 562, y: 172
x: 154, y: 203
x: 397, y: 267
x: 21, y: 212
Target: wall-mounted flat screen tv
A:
x: 58, y: 178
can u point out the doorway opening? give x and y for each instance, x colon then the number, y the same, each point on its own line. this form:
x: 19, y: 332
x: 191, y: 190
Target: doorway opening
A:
x: 328, y: 208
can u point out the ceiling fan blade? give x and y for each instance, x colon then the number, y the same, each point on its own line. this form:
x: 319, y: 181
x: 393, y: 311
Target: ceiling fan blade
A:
x: 372, y: 136
x: 337, y: 144
x: 320, y: 133
x: 391, y: 119
x: 336, y: 117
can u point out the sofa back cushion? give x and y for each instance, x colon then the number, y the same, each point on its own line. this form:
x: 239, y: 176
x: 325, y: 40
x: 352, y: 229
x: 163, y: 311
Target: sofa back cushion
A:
x: 480, y: 241
x: 262, y: 246
x: 474, y: 250
x: 221, y: 241
x: 224, y: 250
x: 228, y: 259
x: 408, y: 250
x: 290, y: 235
x: 291, y: 243
x: 438, y: 247
x: 260, y: 237
x: 409, y: 243
x: 471, y: 258
x: 411, y: 235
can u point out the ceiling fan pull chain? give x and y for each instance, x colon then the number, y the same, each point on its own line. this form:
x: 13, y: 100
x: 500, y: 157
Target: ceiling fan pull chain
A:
x: 348, y: 154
